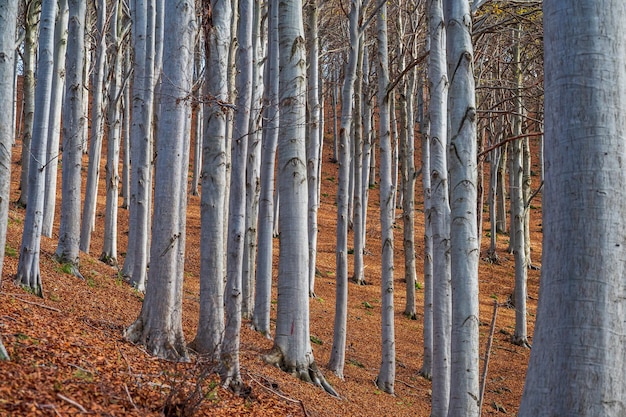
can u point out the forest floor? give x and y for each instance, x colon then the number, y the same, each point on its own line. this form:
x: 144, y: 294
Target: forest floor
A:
x: 68, y: 355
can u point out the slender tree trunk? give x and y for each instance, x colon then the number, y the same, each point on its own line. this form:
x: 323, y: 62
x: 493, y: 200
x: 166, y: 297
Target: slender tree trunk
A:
x: 387, y: 374
x: 28, y: 274
x: 263, y: 294
x: 54, y: 133
x: 159, y: 325
x: 113, y: 130
x: 314, y: 136
x: 440, y: 211
x: 95, y: 145
x: 230, y: 371
x: 74, y: 120
x: 338, y: 352
x: 357, y: 166
x: 8, y: 19
x: 577, y: 363
x: 464, y: 241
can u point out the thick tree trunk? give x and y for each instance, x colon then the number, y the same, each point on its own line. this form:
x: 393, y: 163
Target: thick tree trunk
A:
x: 74, y: 120
x: 577, y: 364
x: 159, y: 325
x: 28, y: 275
x: 211, y: 321
x: 464, y: 241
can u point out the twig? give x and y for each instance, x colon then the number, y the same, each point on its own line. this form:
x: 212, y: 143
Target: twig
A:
x: 51, y: 406
x: 483, y: 379
x: 274, y: 391
x: 74, y: 403
x: 129, y: 397
x: 407, y: 384
x: 33, y: 303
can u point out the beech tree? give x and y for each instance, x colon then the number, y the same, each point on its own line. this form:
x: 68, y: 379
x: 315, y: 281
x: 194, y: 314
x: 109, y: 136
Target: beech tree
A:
x: 8, y: 18
x: 159, y: 325
x: 74, y: 120
x: 28, y: 274
x: 577, y: 362
x: 217, y: 41
x: 464, y: 241
x: 292, y: 350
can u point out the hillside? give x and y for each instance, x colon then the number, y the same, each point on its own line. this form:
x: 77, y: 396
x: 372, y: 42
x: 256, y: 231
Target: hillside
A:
x: 69, y: 357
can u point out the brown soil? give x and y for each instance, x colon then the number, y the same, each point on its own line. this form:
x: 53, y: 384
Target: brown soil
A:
x: 68, y: 354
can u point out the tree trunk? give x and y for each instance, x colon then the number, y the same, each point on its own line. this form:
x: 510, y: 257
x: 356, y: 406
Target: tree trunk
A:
x: 8, y: 19
x: 74, y: 120
x: 230, y: 371
x: 28, y: 275
x: 159, y: 325
x: 357, y: 165
x: 54, y: 133
x: 292, y: 346
x: 440, y: 211
x: 577, y: 363
x: 263, y: 294
x: 464, y: 241
x: 387, y: 374
x: 337, y: 355
x: 95, y: 145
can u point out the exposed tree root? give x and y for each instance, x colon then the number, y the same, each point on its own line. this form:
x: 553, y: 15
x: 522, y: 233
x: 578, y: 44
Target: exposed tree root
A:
x: 312, y: 374
x: 425, y: 372
x: 521, y: 341
x: 166, y: 346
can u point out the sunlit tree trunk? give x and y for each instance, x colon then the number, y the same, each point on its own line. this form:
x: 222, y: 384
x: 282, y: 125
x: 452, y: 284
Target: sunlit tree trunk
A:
x: 28, y: 274
x: 159, y: 325
x: 439, y: 211
x: 54, y: 133
x: 387, y: 373
x: 74, y: 120
x: 578, y: 360
x: 464, y: 241
x: 262, y: 299
x: 358, y: 225
x: 95, y: 143
x: 217, y: 40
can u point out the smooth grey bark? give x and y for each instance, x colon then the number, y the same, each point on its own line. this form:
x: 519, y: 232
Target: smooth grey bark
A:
x: 113, y: 132
x: 356, y: 216
x: 292, y: 350
x: 253, y: 164
x: 8, y: 19
x: 74, y: 120
x: 126, y: 104
x: 368, y: 133
x: 159, y: 325
x: 28, y: 274
x: 518, y: 212
x: 385, y: 379
x: 501, y: 223
x: 313, y: 134
x: 31, y: 21
x: 144, y: 44
x: 263, y: 294
x: 216, y: 42
x: 230, y: 371
x: 424, y: 126
x: 577, y: 363
x: 464, y: 241
x: 439, y: 211
x: 56, y: 103
x: 338, y: 351
x: 97, y: 120
x: 198, y: 107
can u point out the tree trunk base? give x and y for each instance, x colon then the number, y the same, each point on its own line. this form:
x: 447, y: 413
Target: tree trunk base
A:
x: 157, y: 343
x: 312, y: 374
x: 521, y: 341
